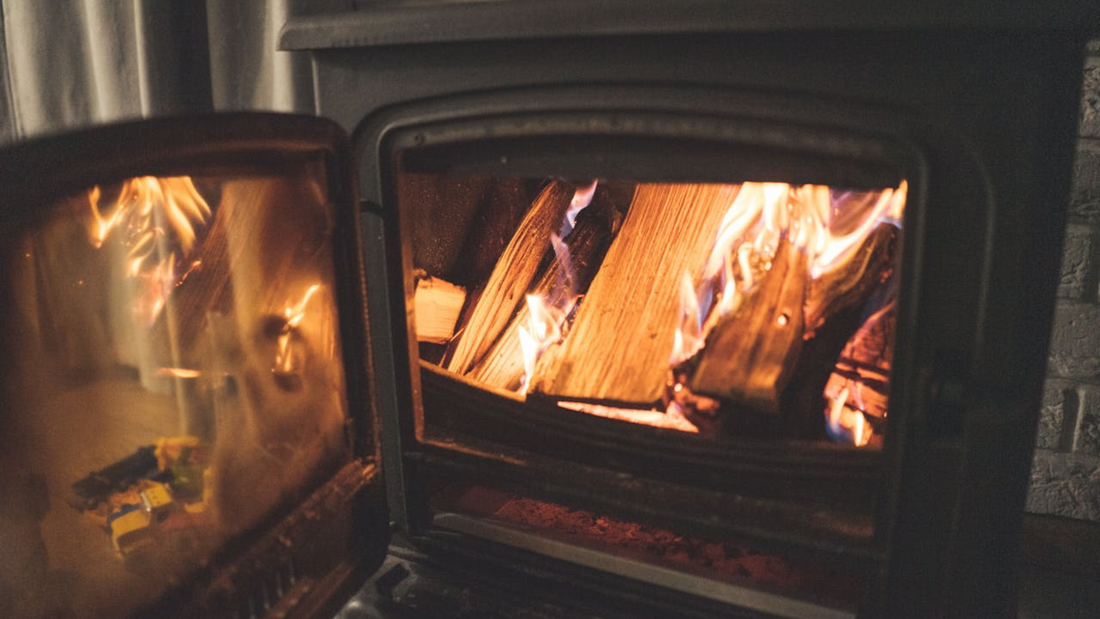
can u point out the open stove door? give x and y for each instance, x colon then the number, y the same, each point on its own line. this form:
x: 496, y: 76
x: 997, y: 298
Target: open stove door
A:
x: 188, y: 424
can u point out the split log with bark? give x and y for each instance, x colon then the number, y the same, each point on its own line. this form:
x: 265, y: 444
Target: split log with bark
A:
x: 512, y: 276
x: 618, y: 349
x: 595, y: 228
x: 749, y: 354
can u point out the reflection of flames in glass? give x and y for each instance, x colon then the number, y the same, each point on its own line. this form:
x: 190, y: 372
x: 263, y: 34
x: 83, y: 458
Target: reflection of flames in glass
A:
x: 285, y: 360
x: 828, y: 227
x: 159, y: 220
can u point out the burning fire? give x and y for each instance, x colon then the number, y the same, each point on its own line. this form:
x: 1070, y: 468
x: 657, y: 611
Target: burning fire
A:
x: 845, y: 424
x: 549, y: 314
x: 827, y: 226
x: 159, y: 220
x: 581, y: 199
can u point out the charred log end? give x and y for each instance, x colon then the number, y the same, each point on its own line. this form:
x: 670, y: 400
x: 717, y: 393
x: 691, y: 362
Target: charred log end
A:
x: 750, y: 355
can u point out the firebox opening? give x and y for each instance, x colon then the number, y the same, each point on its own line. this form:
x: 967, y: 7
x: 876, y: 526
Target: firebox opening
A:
x: 179, y: 380
x: 721, y: 569
x: 740, y: 309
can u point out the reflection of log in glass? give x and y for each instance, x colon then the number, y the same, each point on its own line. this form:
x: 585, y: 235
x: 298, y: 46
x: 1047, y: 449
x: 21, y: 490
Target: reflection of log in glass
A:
x: 270, y: 344
x: 279, y: 412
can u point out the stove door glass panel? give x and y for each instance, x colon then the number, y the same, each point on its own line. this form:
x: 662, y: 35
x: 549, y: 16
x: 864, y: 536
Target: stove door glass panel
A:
x: 173, y: 375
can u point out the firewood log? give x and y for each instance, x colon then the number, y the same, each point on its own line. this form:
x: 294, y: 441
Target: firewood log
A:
x: 437, y: 306
x: 864, y: 365
x: 511, y: 277
x: 618, y: 349
x: 851, y: 284
x: 750, y: 353
x: 832, y: 324
x: 588, y: 242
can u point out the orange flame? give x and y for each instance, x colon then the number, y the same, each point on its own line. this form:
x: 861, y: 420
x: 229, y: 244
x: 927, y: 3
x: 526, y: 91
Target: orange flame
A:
x: 547, y: 315
x: 846, y: 424
x: 828, y: 228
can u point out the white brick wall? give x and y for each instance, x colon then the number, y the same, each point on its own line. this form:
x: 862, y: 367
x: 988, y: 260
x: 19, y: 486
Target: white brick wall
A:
x: 1065, y: 476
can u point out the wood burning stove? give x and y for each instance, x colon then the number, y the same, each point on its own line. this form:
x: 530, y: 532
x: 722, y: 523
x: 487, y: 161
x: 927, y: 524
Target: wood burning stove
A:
x: 813, y: 222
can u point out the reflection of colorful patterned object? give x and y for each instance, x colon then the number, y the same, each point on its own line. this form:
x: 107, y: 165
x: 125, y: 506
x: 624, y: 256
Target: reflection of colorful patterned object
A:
x: 90, y: 492
x: 181, y: 449
x: 126, y: 509
x: 187, y: 458
x: 163, y: 508
x: 159, y: 520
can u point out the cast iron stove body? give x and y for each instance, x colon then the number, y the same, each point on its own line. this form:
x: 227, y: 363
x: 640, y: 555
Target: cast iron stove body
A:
x: 973, y: 107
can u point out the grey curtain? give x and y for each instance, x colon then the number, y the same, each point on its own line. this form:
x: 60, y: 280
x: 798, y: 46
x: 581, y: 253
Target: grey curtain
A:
x: 70, y: 63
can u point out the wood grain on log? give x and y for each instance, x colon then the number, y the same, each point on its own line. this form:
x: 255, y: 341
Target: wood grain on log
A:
x: 750, y: 353
x: 864, y: 365
x: 517, y: 268
x: 588, y: 242
x: 618, y: 350
x: 851, y: 284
